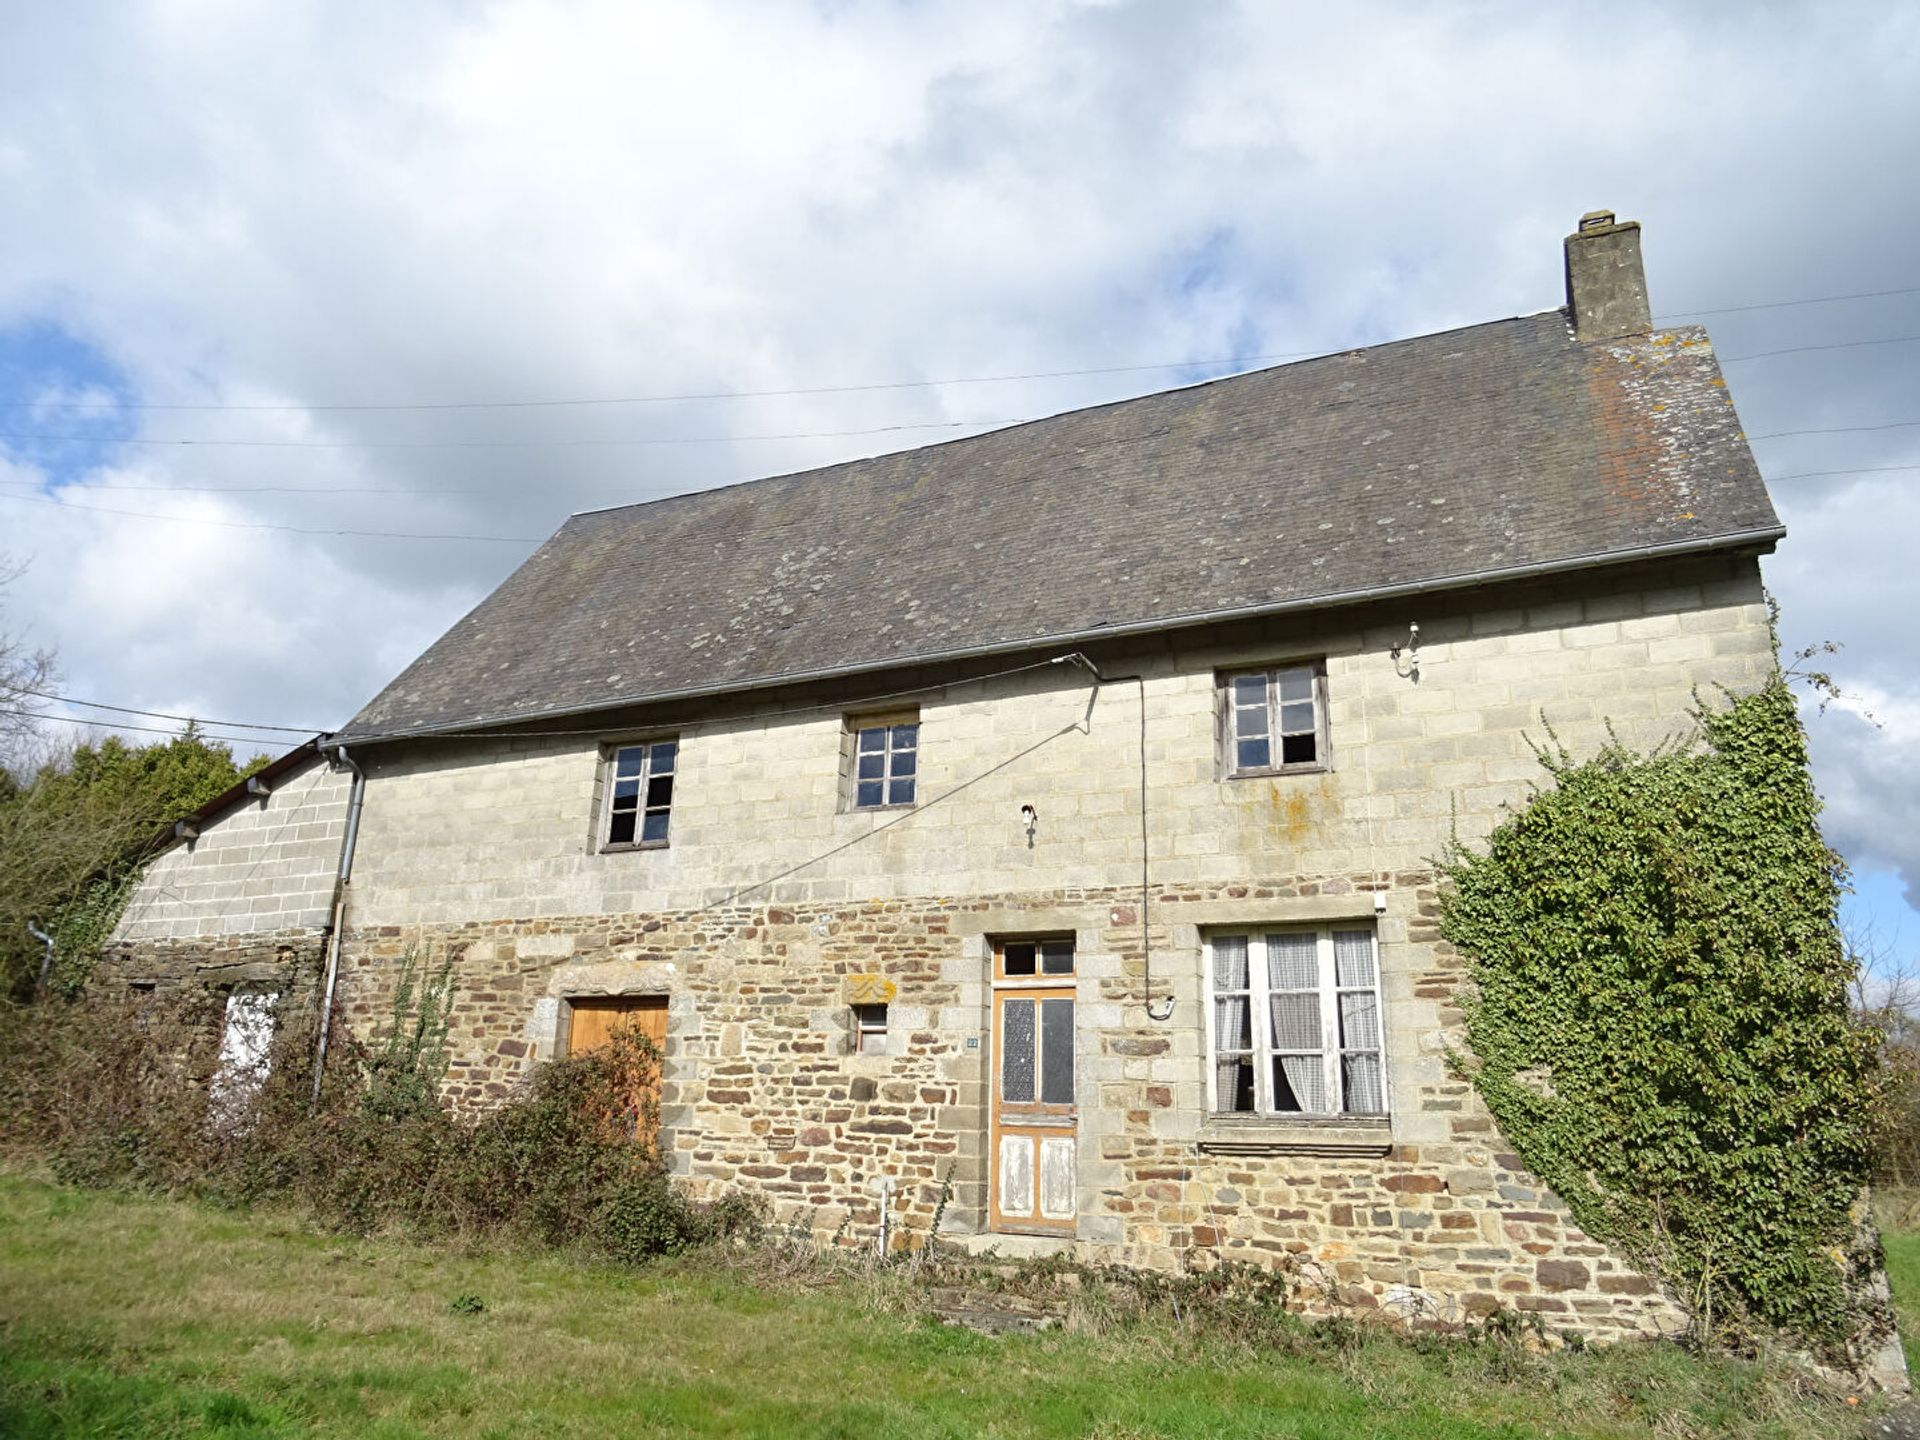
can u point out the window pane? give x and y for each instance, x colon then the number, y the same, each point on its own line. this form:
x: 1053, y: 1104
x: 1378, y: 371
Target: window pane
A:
x: 655, y: 826
x: 1300, y: 1084
x: 620, y: 831
x: 1298, y: 750
x: 1019, y: 958
x: 664, y: 753
x: 1250, y: 720
x: 1056, y: 1052
x: 630, y: 761
x: 660, y: 792
x: 1359, y: 1021
x: 1233, y: 1084
x: 1293, y: 962
x: 1250, y: 690
x: 868, y: 793
x: 900, y: 792
x: 1016, y: 1045
x: 1296, y: 1022
x: 1295, y: 684
x: 905, y: 762
x: 1056, y: 957
x: 1233, y: 1023
x: 872, y: 767
x: 1353, y: 957
x: 1295, y: 718
x: 1252, y: 755
x: 1230, y: 962
x: 625, y: 790
x: 906, y: 737
x: 873, y: 740
x: 1366, y: 1094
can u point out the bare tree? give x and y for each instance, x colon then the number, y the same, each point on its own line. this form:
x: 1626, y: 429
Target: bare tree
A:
x: 25, y: 674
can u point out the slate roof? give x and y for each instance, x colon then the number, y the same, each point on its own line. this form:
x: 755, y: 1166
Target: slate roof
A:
x: 1416, y: 464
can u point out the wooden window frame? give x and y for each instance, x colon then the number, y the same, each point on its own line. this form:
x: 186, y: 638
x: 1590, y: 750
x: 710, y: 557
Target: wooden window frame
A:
x: 871, y: 1021
x: 1264, y: 1052
x: 610, y: 753
x: 850, y: 752
x: 1226, y: 720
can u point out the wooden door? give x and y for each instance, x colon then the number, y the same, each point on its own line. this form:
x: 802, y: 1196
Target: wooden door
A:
x: 595, y: 1018
x: 1034, y: 1120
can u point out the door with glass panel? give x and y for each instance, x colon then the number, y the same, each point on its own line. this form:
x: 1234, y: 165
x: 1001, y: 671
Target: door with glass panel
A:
x: 1297, y: 1023
x: 1034, y: 1120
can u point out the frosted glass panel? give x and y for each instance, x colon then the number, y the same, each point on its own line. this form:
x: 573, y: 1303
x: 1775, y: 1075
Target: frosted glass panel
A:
x: 1293, y: 962
x: 1353, y: 956
x: 1056, y: 1052
x: 1016, y: 1044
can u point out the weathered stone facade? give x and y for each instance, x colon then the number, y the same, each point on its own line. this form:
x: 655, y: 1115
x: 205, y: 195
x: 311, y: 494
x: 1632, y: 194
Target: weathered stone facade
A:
x: 774, y: 907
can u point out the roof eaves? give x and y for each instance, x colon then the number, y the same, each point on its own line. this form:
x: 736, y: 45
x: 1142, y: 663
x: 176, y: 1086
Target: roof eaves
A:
x: 1760, y: 539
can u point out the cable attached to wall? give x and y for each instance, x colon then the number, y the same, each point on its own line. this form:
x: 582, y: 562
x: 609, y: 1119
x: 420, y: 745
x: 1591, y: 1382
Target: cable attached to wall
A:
x: 1161, y: 1011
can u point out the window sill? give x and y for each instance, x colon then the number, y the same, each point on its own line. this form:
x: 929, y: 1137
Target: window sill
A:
x: 1272, y: 772
x: 877, y: 809
x: 1333, y: 1137
x: 636, y: 845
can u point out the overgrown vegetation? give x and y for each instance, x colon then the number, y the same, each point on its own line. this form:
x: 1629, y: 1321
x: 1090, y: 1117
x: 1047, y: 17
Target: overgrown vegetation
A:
x: 125, y: 1094
x: 1661, y: 1022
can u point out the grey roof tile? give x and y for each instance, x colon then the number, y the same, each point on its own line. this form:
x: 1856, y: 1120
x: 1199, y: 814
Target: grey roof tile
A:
x: 1412, y: 463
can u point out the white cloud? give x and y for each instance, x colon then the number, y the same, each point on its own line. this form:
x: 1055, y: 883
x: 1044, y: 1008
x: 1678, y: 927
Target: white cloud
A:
x: 301, y: 205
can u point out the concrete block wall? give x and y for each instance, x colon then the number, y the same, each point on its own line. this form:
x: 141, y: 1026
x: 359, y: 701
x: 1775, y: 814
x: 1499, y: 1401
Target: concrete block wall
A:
x: 265, y: 867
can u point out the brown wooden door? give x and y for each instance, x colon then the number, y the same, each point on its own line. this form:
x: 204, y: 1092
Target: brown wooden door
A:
x: 595, y: 1018
x: 1034, y: 1123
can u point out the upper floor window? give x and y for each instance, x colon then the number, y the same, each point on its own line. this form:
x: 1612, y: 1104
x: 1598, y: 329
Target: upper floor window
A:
x: 886, y: 759
x: 1296, y: 1023
x: 1275, y: 719
x: 640, y: 793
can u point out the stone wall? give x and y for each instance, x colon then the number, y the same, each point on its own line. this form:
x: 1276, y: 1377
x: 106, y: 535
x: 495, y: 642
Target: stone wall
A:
x: 762, y: 1090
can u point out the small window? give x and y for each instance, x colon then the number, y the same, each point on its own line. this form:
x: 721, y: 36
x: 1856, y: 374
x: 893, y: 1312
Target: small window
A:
x: 1296, y: 1023
x: 1035, y: 959
x: 640, y: 793
x: 870, y: 1029
x: 1275, y: 720
x: 886, y: 760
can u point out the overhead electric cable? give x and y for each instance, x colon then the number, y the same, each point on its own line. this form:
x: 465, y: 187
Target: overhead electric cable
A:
x: 164, y: 715
x: 122, y: 725
x: 264, y: 525
x: 1838, y: 430
x: 1783, y: 304
x: 510, y: 444
x: 1805, y: 349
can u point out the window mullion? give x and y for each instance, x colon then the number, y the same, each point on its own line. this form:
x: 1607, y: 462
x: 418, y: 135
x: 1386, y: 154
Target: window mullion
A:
x: 1260, y: 1025
x: 1330, y: 1023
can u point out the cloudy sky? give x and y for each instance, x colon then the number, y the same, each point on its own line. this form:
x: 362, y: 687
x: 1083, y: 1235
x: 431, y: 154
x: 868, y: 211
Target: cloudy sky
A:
x: 281, y: 282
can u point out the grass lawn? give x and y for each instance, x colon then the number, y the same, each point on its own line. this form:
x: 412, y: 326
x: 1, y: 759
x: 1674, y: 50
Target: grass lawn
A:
x: 124, y: 1316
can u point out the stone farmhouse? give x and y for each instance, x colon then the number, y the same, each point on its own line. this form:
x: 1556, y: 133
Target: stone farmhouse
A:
x: 1049, y: 814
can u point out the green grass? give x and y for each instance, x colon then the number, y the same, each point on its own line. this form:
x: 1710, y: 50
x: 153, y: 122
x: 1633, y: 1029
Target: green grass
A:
x: 124, y: 1316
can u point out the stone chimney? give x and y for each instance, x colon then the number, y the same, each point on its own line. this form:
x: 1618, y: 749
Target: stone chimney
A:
x: 1606, y: 284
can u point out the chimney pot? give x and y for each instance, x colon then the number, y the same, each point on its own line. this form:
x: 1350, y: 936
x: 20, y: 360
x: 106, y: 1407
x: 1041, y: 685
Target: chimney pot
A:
x: 1606, y: 282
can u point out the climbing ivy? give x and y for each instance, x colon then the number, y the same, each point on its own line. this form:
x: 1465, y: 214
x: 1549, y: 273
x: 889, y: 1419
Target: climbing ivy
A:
x: 1658, y: 1017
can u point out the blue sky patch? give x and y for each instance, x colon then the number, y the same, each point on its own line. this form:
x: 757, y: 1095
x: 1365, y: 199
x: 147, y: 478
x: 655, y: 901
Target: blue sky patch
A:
x: 62, y: 401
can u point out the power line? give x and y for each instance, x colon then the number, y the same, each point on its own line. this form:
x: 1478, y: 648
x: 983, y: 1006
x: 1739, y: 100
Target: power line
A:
x: 264, y: 525
x: 1838, y: 430
x: 1783, y: 304
x: 121, y: 725
x: 1859, y: 470
x: 1804, y: 349
x: 512, y: 444
x: 164, y: 715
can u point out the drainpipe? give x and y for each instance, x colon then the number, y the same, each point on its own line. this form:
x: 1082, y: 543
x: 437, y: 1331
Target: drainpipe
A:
x: 354, y: 801
x: 46, y: 960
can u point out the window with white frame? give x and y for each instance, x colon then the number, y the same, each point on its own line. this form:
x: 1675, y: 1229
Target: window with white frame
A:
x: 886, y: 760
x: 639, y: 793
x: 1275, y: 719
x: 1296, y: 1023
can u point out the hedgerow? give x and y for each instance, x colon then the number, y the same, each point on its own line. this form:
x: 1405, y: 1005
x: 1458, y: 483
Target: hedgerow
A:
x: 1658, y: 1018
